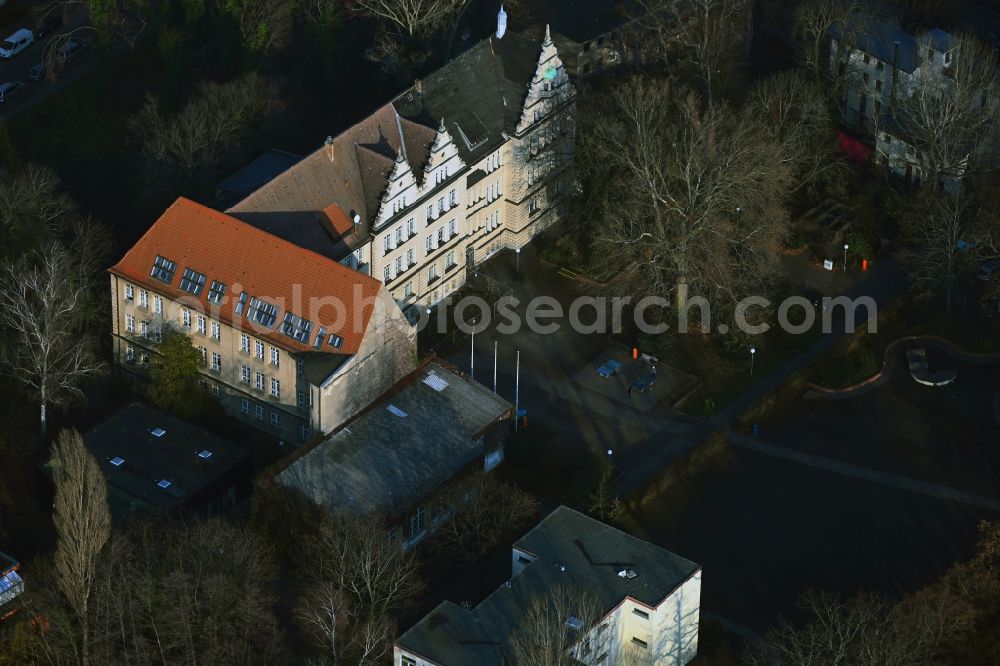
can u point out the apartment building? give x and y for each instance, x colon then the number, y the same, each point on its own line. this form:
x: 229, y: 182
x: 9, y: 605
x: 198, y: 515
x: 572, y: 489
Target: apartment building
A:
x: 878, y: 64
x: 475, y: 158
x: 398, y: 457
x: 648, y: 602
x: 291, y: 342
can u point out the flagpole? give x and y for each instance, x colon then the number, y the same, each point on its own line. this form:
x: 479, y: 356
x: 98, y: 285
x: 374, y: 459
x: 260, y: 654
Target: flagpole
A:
x: 494, y: 366
x: 517, y: 389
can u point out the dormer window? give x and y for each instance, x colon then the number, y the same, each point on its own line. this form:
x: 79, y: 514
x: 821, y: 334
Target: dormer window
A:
x: 262, y: 312
x: 296, y: 327
x: 192, y: 281
x: 216, y: 291
x: 163, y: 269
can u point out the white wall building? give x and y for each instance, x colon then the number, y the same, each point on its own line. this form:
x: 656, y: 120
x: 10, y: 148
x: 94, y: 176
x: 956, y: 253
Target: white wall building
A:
x: 650, y: 601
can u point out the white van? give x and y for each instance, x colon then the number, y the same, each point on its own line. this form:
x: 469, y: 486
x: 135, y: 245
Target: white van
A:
x: 16, y: 43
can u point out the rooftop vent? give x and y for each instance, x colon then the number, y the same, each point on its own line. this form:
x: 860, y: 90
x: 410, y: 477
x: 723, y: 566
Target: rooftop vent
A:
x: 117, y: 461
x: 435, y: 382
x: 397, y: 411
x: 627, y: 574
x: 205, y: 454
x: 163, y: 483
x: 158, y: 432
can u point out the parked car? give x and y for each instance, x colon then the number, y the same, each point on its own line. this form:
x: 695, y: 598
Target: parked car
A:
x: 72, y: 50
x: 37, y: 71
x: 9, y: 89
x: 16, y: 43
x: 988, y: 269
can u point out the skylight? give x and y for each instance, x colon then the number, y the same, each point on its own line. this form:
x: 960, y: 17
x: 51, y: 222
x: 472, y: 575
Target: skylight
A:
x: 158, y: 432
x: 435, y: 382
x: 397, y: 411
x: 262, y: 312
x: 216, y: 291
x: 320, y: 335
x: 205, y: 454
x: 241, y: 303
x: 163, y: 269
x: 296, y: 327
x: 117, y: 461
x: 163, y: 483
x: 192, y: 281
x: 336, y: 341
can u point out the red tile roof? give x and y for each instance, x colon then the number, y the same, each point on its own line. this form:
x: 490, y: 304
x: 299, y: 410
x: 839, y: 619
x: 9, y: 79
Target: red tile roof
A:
x: 265, y: 266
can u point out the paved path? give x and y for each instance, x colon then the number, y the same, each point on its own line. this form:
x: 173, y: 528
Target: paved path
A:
x: 864, y: 473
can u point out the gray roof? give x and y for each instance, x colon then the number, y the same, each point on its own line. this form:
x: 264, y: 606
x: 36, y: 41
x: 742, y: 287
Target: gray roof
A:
x: 880, y: 39
x: 402, y: 447
x: 254, y: 175
x: 583, y: 20
x: 481, y: 93
x: 148, y: 459
x: 572, y: 550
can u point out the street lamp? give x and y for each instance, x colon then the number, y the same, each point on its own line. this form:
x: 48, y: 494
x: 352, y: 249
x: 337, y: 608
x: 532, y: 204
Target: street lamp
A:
x: 753, y: 352
x: 472, y: 352
x: 845, y: 256
x: 609, y: 457
x: 517, y: 260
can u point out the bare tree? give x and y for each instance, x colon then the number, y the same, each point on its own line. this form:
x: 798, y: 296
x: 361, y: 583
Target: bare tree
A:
x: 341, y: 636
x: 484, y: 510
x: 49, y: 351
x: 359, y: 559
x: 33, y: 207
x: 695, y: 195
x: 709, y: 34
x: 561, y: 627
x: 220, y: 115
x: 83, y: 523
x: 948, y: 113
x: 413, y: 17
x: 817, y: 22
x: 264, y: 24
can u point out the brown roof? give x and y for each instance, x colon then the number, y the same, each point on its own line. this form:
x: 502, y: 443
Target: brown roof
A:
x: 248, y: 259
x: 350, y: 171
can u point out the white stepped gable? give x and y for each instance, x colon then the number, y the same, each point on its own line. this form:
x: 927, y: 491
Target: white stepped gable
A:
x: 400, y: 192
x: 548, y: 88
x: 444, y: 161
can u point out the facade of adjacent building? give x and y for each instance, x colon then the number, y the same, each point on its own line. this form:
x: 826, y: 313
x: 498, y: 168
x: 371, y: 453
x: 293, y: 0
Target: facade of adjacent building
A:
x: 291, y: 341
x: 473, y: 159
x: 650, y: 601
x: 11, y: 584
x: 159, y: 465
x: 879, y: 65
x: 399, y: 456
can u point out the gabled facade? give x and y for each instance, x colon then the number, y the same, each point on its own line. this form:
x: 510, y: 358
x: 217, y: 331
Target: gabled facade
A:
x: 473, y: 159
x: 292, y: 342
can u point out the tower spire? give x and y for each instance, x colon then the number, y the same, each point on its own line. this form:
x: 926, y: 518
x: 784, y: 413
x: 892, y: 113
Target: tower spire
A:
x: 501, y: 23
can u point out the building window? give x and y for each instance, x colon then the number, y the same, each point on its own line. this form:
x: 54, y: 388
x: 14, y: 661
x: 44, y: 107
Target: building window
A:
x: 408, y: 289
x: 440, y: 208
x: 641, y: 643
x: 163, y: 269
x: 878, y: 85
x: 216, y: 331
x: 411, y: 227
x: 410, y: 260
x: 300, y: 399
x: 386, y: 244
x: 216, y: 291
x: 143, y: 298
x: 386, y: 274
x: 641, y: 613
x: 303, y: 432
x: 259, y: 349
x: 430, y: 214
x: 275, y: 357
x: 399, y: 265
x: 186, y: 318
x: 244, y: 343
x: 201, y: 325
x: 449, y: 261
x: 216, y: 361
x: 432, y: 272
x: 204, y: 355
x: 428, y: 244
x: 275, y: 388
x: 216, y: 390
x: 144, y: 329
x: 157, y: 305
x: 451, y: 228
x: 258, y: 381
x: 452, y: 198
x: 130, y: 353
x: 245, y: 374
x: 192, y: 281
x: 130, y: 323
x: 275, y: 418
x: 129, y: 292
x: 245, y: 406
x: 262, y: 312
x: 258, y: 412
x: 399, y: 235
x: 533, y: 206
x: 418, y: 522
x: 407, y: 661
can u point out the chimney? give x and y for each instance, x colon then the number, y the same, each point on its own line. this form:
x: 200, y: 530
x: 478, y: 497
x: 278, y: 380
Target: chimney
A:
x: 418, y: 85
x: 329, y: 147
x: 501, y: 23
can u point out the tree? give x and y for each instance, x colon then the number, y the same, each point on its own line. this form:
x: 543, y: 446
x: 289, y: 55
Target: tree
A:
x: 210, y: 126
x: 711, y: 35
x: 484, y: 511
x: 696, y: 196
x: 604, y: 505
x: 263, y: 24
x: 949, y: 116
x: 562, y: 627
x: 357, y: 556
x: 33, y: 209
x: 49, y: 350
x: 343, y: 638
x: 175, y: 376
x: 83, y: 523
x: 413, y: 18
x: 816, y: 21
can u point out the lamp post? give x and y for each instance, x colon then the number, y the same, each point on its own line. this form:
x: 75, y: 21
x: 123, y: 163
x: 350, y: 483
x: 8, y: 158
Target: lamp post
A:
x: 517, y: 390
x: 753, y: 352
x: 472, y: 352
x: 845, y: 256
x: 609, y: 458
x: 517, y: 260
x: 494, y: 366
